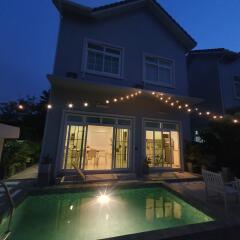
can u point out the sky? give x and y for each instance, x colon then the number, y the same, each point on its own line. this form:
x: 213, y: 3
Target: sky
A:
x: 29, y: 29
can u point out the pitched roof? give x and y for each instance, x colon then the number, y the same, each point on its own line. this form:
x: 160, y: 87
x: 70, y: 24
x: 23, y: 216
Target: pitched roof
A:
x: 105, y: 11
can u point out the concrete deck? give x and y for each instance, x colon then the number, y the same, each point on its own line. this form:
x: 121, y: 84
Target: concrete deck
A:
x: 28, y: 173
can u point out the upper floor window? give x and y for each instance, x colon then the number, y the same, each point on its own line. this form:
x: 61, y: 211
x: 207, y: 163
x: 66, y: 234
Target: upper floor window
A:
x: 104, y: 59
x: 236, y: 82
x: 158, y: 71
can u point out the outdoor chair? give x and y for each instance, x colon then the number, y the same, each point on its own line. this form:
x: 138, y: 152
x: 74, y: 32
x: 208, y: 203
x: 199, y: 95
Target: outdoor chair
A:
x: 214, y: 183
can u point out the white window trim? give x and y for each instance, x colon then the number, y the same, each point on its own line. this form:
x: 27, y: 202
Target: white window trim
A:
x: 234, y: 88
x: 159, y: 83
x: 85, y: 55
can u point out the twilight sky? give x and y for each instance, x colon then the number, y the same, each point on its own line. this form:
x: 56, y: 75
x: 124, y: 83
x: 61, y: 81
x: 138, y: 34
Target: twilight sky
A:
x: 28, y: 33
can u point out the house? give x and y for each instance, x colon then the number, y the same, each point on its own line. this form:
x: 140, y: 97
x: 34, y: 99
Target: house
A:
x: 214, y: 75
x: 111, y: 62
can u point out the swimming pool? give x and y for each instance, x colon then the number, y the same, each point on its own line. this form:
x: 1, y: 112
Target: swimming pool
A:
x: 91, y: 215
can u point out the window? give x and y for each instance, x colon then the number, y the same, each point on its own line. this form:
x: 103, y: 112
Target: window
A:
x: 104, y: 59
x: 158, y: 71
x: 237, y: 86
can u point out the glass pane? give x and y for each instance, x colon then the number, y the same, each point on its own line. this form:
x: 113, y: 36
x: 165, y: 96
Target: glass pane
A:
x: 75, y: 118
x: 152, y: 124
x: 74, y: 146
x: 99, y: 148
x: 121, y: 148
x: 150, y: 147
x: 152, y: 59
x: 111, y: 64
x: 124, y: 122
x: 93, y: 120
x: 113, y: 51
x: 175, y: 147
x: 108, y: 121
x: 158, y: 149
x: 167, y: 151
x: 165, y: 75
x: 95, y: 61
x: 151, y: 73
x: 95, y: 46
x: 170, y: 126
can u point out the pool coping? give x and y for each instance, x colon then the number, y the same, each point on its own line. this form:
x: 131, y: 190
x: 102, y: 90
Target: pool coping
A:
x: 181, y: 232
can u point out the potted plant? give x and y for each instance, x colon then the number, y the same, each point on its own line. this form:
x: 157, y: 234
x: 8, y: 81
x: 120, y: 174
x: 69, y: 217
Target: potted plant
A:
x: 146, y: 163
x: 45, y: 169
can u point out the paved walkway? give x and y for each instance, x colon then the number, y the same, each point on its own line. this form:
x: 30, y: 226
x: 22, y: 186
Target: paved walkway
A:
x: 28, y: 173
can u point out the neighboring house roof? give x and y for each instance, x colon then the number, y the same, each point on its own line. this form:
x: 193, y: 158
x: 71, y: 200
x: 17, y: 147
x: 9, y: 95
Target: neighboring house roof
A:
x: 69, y: 7
x: 218, y: 52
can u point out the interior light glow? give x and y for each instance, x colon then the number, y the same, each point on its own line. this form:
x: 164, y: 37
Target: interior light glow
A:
x: 103, y: 198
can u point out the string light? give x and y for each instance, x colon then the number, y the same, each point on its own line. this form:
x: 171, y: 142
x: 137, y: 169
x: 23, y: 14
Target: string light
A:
x: 70, y: 105
x: 153, y: 93
x: 189, y: 110
x: 208, y: 113
x: 85, y: 104
x: 115, y: 100
x: 186, y: 105
x: 20, y: 106
x: 214, y: 117
x: 221, y: 117
x: 139, y: 92
x: 172, y: 104
x: 200, y: 113
x: 49, y: 106
x: 107, y: 101
x: 235, y: 120
x: 127, y: 97
x: 121, y: 98
x: 196, y: 109
x: 179, y: 106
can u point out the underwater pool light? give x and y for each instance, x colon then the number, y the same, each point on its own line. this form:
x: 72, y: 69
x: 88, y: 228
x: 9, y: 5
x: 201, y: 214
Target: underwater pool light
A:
x: 103, y: 198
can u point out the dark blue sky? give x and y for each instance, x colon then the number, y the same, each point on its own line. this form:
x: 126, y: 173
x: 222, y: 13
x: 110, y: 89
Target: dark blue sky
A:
x: 29, y: 31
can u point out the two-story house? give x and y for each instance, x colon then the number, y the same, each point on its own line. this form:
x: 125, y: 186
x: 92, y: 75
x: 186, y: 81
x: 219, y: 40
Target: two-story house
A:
x: 214, y: 75
x: 110, y: 61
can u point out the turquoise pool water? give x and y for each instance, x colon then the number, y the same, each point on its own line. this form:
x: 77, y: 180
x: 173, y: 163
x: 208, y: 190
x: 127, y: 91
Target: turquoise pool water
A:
x: 80, y: 216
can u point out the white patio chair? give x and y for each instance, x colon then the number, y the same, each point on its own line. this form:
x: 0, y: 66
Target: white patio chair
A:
x: 236, y: 185
x: 214, y: 183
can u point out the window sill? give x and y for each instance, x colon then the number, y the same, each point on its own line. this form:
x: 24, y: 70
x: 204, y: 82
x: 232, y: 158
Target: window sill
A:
x: 159, y: 84
x: 108, y: 75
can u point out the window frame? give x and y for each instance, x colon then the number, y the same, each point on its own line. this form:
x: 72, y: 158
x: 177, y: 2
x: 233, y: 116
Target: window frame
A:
x: 159, y: 83
x: 104, y: 45
x: 234, y: 86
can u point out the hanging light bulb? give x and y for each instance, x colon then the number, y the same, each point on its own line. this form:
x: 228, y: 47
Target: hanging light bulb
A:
x: 200, y: 113
x: 235, y: 120
x: 49, y: 106
x: 208, y: 113
x: 139, y: 92
x: 214, y: 117
x: 196, y: 109
x: 121, y: 98
x: 221, y: 117
x: 132, y: 95
x: 115, y: 100
x: 153, y: 93
x: 20, y: 106
x: 189, y: 110
x: 186, y: 105
x: 172, y: 104
x: 127, y: 97
x: 179, y: 106
x: 70, y: 105
x: 107, y: 101
x: 85, y: 104
x: 161, y: 98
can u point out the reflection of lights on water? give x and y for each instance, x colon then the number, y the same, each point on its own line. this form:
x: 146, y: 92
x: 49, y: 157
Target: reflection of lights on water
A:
x: 71, y: 207
x: 103, y: 198
x: 107, y: 216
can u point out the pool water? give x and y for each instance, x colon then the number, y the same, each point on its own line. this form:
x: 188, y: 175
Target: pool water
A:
x: 85, y: 215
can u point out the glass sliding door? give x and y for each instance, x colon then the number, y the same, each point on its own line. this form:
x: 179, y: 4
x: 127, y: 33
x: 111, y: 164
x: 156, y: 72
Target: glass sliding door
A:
x: 74, y: 146
x: 121, y: 147
x: 99, y: 148
x: 162, y: 146
x: 96, y: 143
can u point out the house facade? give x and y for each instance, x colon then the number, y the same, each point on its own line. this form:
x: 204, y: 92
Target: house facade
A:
x: 214, y: 75
x: 110, y: 62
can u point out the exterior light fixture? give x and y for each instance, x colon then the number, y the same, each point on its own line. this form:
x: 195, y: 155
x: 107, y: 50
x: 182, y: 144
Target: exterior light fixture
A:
x: 103, y: 199
x: 70, y: 105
